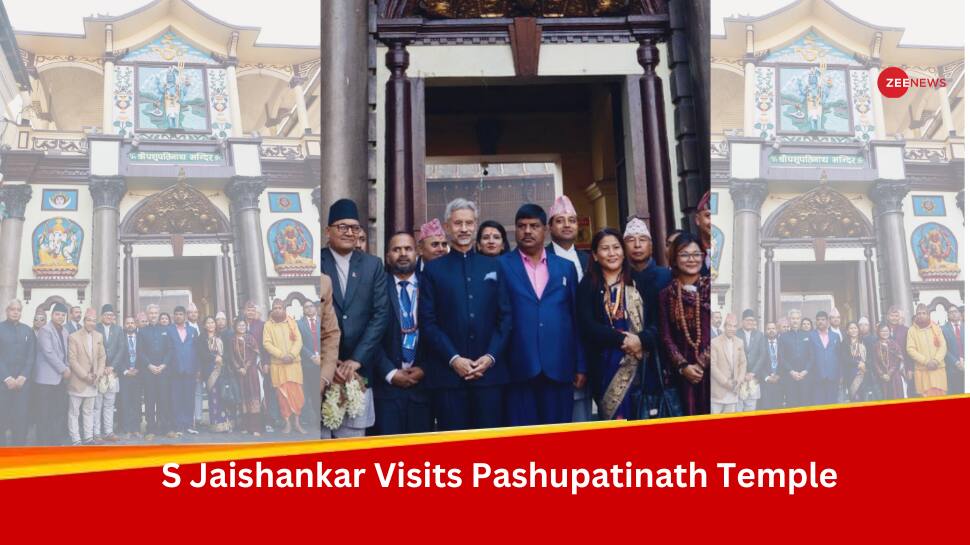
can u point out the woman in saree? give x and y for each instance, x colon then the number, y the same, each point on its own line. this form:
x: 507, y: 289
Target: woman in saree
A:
x: 853, y: 356
x: 243, y: 353
x: 611, y: 317
x: 887, y: 364
x: 210, y: 352
x: 685, y: 323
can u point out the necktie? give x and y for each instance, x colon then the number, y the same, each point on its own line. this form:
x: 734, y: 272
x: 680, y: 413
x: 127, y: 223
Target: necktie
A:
x: 407, y: 324
x: 774, y: 355
x: 131, y: 350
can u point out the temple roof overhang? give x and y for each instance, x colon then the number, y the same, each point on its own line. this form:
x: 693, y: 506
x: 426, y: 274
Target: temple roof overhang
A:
x: 140, y: 25
x: 784, y: 25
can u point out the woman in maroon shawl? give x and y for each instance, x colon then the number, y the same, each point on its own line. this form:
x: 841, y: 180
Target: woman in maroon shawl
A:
x: 243, y: 352
x: 685, y: 323
x: 887, y: 363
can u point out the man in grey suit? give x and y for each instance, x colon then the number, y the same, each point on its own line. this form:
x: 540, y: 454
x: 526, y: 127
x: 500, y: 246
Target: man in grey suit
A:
x: 360, y: 301
x: 51, y: 372
x: 756, y: 354
x: 115, y: 346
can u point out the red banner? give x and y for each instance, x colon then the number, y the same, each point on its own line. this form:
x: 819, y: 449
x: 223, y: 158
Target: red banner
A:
x: 890, y: 471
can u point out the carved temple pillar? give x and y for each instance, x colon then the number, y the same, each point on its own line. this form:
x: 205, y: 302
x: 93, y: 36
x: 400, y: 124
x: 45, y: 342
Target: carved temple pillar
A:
x: 130, y: 301
x: 655, y: 146
x: 399, y: 176
x: 749, y: 109
x: 107, y: 192
x: 108, y: 90
x: 748, y: 196
x: 875, y: 52
x: 229, y: 294
x: 243, y: 193
x: 235, y: 109
x: 299, y: 98
x: 960, y: 195
x: 871, y: 288
x: 771, y: 305
x: 15, y: 199
x: 343, y: 101
x: 887, y: 197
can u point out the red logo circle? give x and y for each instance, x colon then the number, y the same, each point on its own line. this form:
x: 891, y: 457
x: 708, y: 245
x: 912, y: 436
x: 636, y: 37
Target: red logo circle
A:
x: 893, y: 82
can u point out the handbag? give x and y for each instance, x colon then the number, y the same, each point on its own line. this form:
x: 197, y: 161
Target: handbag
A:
x: 662, y: 404
x: 227, y: 391
x: 107, y: 383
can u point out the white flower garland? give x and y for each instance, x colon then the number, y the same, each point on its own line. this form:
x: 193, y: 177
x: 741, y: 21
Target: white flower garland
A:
x: 342, y: 400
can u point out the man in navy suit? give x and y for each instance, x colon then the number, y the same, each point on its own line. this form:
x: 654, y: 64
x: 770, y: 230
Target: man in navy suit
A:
x: 401, y: 399
x: 563, y: 230
x: 824, y: 371
x: 464, y: 328
x: 155, y: 357
x: 360, y: 302
x: 545, y: 355
x: 130, y: 381
x: 953, y: 334
x: 185, y: 371
x: 309, y: 326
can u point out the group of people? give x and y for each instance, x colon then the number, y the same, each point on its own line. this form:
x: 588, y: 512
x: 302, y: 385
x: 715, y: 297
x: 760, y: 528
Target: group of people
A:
x: 81, y: 378
x: 799, y: 362
x: 456, y: 329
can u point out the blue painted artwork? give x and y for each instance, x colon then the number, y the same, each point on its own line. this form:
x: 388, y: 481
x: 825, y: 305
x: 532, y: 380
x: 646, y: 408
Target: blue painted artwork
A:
x: 812, y: 100
x: 935, y: 250
x: 57, y: 248
x: 172, y: 98
x: 717, y: 245
x: 714, y: 200
x: 811, y: 48
x: 59, y: 200
x: 929, y: 205
x: 291, y: 246
x: 169, y: 47
x: 280, y: 203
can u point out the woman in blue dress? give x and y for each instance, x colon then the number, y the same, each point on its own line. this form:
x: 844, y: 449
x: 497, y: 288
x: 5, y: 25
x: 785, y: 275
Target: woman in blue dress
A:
x: 610, y: 314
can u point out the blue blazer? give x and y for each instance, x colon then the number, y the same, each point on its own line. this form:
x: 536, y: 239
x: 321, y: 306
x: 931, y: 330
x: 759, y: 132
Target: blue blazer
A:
x: 824, y: 360
x: 311, y: 341
x: 794, y: 351
x: 183, y: 354
x: 952, y: 347
x: 544, y: 336
x: 459, y: 315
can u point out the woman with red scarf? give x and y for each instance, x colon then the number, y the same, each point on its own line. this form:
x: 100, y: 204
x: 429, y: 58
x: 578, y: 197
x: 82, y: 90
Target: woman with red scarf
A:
x: 685, y: 323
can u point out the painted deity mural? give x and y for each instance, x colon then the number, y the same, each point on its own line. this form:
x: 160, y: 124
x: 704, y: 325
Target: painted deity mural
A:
x: 57, y: 248
x: 717, y: 248
x: 171, y: 97
x: 813, y: 100
x: 291, y: 246
x: 764, y: 101
x: 811, y: 48
x: 169, y: 84
x: 935, y: 250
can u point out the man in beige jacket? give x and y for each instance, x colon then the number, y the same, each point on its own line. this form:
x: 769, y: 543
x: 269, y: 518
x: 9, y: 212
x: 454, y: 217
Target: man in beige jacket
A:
x: 86, y: 357
x: 728, y: 367
x: 329, y: 333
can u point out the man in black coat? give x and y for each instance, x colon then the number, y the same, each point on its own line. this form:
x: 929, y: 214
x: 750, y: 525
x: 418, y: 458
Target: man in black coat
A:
x: 360, y: 302
x: 17, y: 352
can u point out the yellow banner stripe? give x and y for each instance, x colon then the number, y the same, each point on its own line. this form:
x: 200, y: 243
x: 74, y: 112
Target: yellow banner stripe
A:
x: 53, y: 461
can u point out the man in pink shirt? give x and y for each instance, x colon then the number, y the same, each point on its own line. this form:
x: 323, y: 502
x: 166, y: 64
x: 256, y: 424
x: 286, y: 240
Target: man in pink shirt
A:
x: 545, y: 358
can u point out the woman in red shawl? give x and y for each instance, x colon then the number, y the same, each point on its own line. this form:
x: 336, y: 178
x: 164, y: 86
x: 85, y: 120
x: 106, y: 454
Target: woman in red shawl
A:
x: 685, y: 323
x: 243, y: 352
x: 887, y: 363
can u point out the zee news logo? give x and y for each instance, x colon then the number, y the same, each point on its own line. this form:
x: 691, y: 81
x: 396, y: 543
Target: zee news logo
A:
x: 894, y: 82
